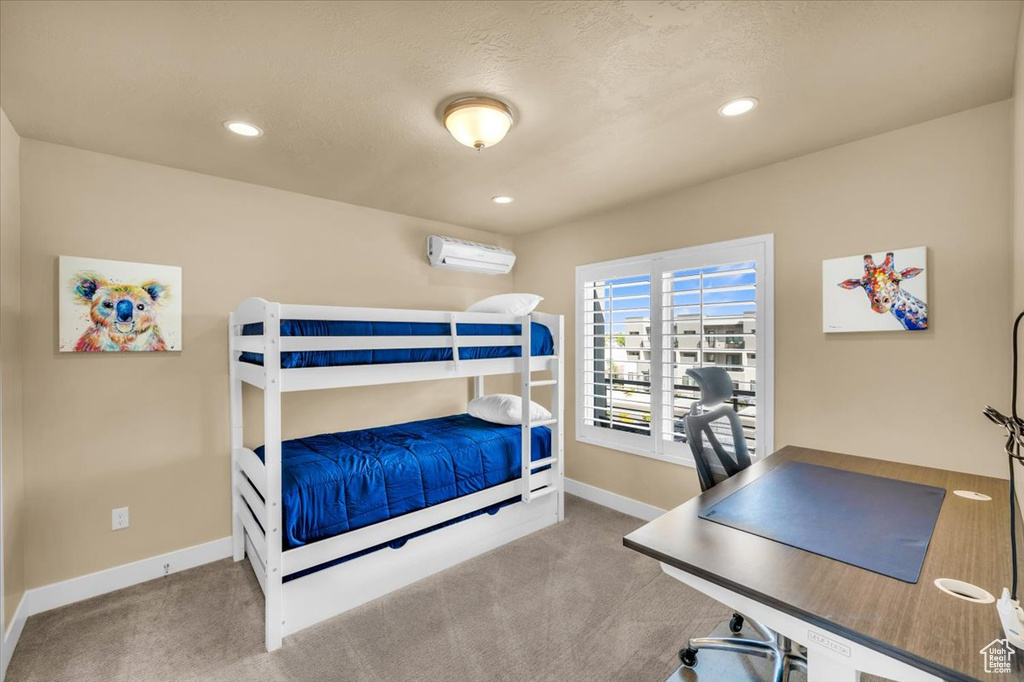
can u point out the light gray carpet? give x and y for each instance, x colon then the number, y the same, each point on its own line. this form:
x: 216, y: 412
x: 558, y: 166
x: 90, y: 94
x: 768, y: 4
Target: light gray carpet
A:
x: 568, y: 603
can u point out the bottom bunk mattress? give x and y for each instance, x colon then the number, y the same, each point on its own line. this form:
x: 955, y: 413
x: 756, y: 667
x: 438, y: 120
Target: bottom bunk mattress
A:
x: 337, y: 482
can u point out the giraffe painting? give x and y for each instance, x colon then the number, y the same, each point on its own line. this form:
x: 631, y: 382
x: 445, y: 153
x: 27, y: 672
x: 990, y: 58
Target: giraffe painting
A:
x: 892, y: 304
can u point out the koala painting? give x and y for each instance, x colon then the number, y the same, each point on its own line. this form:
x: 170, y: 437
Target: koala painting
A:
x: 122, y: 309
x: 124, y: 316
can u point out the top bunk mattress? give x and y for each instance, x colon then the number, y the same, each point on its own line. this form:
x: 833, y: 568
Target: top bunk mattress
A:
x: 337, y: 482
x: 540, y: 338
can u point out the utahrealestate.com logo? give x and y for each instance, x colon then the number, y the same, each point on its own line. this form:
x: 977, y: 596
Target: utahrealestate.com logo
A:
x: 998, y: 656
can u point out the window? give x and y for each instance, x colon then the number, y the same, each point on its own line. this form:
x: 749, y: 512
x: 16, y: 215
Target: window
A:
x: 643, y: 321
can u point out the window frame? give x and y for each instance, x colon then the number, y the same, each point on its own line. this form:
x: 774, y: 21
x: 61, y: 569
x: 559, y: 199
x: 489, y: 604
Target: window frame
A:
x: 759, y: 249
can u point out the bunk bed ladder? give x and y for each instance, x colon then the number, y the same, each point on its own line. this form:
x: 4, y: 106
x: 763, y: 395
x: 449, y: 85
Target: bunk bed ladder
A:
x: 527, y: 465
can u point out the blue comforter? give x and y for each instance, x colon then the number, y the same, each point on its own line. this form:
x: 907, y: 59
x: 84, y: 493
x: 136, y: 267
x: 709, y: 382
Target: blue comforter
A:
x: 540, y: 338
x: 337, y: 482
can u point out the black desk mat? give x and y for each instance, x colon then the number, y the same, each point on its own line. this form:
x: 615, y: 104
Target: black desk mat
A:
x: 879, y: 524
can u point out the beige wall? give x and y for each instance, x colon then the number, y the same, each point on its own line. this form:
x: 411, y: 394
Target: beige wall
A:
x: 150, y: 431
x: 915, y: 397
x: 10, y: 361
x: 1018, y: 213
x: 1018, y: 162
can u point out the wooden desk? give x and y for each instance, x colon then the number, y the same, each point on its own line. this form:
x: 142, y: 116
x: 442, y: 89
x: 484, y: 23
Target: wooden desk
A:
x: 851, y: 619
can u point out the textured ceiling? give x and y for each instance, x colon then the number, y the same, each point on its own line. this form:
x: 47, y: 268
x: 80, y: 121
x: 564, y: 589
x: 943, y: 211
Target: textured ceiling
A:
x: 615, y: 101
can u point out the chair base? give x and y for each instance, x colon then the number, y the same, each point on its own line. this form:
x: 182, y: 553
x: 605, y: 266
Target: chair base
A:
x: 777, y: 649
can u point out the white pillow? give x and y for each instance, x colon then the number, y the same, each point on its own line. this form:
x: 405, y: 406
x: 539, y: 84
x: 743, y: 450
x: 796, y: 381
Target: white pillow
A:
x: 502, y: 408
x: 507, y: 304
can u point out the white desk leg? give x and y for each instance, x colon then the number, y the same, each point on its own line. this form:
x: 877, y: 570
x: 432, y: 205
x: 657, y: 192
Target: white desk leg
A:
x: 822, y: 668
x: 830, y: 657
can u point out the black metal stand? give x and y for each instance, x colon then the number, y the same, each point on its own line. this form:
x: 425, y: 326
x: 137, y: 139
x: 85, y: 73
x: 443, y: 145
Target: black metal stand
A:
x: 1014, y: 426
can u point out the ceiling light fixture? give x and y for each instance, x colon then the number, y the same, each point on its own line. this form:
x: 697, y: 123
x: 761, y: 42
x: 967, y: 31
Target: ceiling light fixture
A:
x: 502, y: 199
x: 244, y: 129
x: 738, y: 107
x: 478, y: 122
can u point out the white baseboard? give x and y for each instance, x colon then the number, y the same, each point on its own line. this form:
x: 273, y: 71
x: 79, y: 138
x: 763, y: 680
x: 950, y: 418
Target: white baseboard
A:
x: 70, y: 591
x: 626, y: 505
x: 12, y: 635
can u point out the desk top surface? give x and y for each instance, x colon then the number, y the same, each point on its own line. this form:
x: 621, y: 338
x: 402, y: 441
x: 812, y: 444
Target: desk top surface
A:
x: 915, y: 623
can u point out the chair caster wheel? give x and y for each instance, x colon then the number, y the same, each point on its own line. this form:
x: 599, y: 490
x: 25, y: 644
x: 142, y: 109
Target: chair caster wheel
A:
x: 736, y: 624
x: 688, y: 657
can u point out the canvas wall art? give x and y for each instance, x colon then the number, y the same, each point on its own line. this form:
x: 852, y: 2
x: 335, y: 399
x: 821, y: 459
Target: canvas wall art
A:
x: 875, y: 292
x: 116, y: 306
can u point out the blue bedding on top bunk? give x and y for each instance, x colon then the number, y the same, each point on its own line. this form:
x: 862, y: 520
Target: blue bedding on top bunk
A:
x: 337, y: 482
x: 540, y: 341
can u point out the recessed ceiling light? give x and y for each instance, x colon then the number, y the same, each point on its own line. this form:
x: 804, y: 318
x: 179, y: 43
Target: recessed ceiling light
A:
x: 738, y: 107
x: 242, y: 128
x: 502, y: 200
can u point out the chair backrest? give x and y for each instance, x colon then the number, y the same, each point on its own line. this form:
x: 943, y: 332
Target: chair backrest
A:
x: 720, y: 426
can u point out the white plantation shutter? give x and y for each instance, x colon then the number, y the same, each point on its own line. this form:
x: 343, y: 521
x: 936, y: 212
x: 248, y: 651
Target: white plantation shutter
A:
x: 616, y: 353
x: 642, y: 322
x: 709, y: 319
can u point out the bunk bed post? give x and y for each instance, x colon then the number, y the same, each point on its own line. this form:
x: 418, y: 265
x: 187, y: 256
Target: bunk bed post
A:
x: 235, y: 408
x: 455, y: 341
x: 526, y: 456
x: 272, y: 463
x: 478, y: 387
x: 558, y: 408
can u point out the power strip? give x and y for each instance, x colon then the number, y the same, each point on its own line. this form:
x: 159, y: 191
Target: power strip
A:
x: 1012, y: 617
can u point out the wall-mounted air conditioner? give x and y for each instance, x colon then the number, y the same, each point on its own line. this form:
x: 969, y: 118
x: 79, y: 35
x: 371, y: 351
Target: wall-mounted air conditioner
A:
x: 459, y: 254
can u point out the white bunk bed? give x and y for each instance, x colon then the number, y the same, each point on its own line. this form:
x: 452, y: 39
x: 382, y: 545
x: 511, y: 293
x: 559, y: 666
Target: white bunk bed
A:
x: 256, y: 485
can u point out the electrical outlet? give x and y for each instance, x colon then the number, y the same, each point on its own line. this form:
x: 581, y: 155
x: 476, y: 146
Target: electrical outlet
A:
x: 119, y: 519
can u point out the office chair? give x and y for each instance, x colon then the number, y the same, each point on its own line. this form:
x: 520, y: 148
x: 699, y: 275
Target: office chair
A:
x: 710, y: 426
